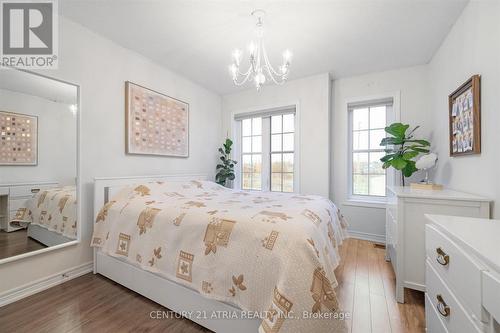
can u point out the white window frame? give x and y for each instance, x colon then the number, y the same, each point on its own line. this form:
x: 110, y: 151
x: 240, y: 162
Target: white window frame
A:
x: 252, y: 153
x: 235, y: 136
x: 391, y: 177
x: 282, y: 152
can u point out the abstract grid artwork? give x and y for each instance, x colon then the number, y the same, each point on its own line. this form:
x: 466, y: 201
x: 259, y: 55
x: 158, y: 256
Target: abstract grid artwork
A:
x: 18, y: 136
x: 156, y: 124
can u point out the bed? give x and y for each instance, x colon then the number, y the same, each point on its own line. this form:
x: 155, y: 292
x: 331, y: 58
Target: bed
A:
x: 50, y: 215
x: 228, y: 260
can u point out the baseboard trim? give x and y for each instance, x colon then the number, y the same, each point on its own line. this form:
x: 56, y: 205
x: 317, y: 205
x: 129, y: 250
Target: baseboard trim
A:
x: 367, y: 236
x: 42, y: 284
x: 413, y: 285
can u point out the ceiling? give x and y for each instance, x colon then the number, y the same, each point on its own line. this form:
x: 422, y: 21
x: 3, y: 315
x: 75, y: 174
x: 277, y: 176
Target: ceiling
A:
x: 195, y: 38
x: 36, y: 85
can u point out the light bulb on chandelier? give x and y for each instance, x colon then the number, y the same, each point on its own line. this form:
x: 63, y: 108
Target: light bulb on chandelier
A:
x: 260, y: 68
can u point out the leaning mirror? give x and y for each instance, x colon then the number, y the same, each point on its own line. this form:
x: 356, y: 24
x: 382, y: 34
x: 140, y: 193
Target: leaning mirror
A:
x: 38, y: 163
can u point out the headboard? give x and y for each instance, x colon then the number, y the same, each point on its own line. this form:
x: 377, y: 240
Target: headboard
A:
x: 105, y: 188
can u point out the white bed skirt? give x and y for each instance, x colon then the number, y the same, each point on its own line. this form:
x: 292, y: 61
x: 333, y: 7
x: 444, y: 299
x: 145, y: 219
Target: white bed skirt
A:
x: 214, y: 315
x: 45, y: 236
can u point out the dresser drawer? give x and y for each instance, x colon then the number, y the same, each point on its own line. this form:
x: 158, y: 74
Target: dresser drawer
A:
x: 28, y: 190
x: 451, y: 312
x: 15, y: 204
x: 433, y: 323
x: 12, y: 215
x: 460, y: 271
x: 491, y: 294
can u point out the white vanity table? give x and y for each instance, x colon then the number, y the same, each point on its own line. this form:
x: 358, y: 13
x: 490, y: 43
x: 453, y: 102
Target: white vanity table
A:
x: 405, y: 228
x: 14, y: 196
x: 462, y: 274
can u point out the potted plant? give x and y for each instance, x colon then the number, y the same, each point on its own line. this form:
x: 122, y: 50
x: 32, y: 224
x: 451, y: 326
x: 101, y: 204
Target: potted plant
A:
x: 225, y: 169
x: 402, y: 148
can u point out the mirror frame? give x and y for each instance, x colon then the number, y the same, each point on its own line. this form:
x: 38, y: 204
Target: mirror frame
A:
x: 78, y: 175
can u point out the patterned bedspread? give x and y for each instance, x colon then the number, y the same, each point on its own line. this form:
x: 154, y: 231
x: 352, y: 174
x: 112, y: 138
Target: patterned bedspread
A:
x: 53, y: 209
x: 271, y: 253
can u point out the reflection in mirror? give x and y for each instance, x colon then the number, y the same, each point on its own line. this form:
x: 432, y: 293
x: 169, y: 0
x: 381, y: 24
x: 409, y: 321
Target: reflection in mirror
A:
x: 38, y: 162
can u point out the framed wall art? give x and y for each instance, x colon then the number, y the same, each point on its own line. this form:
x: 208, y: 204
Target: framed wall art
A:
x: 18, y: 139
x: 465, y: 118
x: 156, y: 124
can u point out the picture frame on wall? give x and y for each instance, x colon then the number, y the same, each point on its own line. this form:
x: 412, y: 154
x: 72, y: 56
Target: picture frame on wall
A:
x: 465, y: 118
x: 156, y: 124
x: 18, y: 139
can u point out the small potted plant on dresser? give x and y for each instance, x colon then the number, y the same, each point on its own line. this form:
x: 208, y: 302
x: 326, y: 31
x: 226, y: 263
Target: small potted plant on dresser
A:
x: 225, y: 169
x: 402, y: 148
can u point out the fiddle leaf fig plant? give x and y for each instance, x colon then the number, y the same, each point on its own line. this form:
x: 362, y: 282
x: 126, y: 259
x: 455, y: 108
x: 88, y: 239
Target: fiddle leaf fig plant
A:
x: 401, y: 148
x: 225, y: 169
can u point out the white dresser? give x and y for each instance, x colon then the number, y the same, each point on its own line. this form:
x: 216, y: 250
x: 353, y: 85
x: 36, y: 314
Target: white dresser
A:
x: 405, y: 224
x: 14, y: 196
x: 462, y: 274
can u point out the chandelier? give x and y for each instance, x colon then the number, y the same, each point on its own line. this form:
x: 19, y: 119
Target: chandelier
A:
x: 260, y: 69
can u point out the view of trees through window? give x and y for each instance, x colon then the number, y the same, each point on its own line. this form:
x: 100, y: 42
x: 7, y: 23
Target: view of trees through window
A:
x: 282, y: 152
x: 368, y: 177
x: 277, y: 156
x: 251, y: 156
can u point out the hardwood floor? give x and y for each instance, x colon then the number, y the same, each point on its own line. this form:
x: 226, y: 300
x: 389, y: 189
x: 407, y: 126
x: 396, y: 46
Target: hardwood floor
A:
x: 367, y: 290
x: 92, y: 303
x: 17, y: 242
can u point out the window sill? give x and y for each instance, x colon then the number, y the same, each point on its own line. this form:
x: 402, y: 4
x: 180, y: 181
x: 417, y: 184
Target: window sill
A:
x: 355, y: 202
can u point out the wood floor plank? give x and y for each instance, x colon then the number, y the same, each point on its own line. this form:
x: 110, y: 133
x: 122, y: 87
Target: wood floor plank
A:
x: 379, y: 316
x: 388, y: 282
x: 348, y: 274
x: 378, y: 304
x: 375, y: 276
x: 17, y: 242
x: 92, y: 303
x: 414, y: 314
x: 361, y: 316
x: 347, y: 267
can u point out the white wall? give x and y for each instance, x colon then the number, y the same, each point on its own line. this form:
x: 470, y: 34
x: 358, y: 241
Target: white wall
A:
x: 313, y: 97
x: 411, y: 85
x: 472, y: 47
x: 101, y: 67
x: 56, y: 140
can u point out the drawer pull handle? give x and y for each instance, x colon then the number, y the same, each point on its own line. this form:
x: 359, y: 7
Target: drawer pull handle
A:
x: 35, y: 190
x: 442, y: 307
x: 442, y: 258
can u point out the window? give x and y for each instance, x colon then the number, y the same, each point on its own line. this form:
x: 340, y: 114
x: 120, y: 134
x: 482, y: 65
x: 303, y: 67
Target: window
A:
x: 367, y: 122
x: 282, y: 152
x: 267, y: 151
x: 251, y: 154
